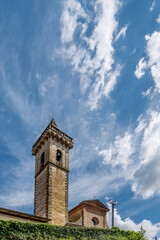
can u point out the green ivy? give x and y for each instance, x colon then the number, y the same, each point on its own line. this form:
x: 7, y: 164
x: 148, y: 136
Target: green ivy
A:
x: 27, y: 231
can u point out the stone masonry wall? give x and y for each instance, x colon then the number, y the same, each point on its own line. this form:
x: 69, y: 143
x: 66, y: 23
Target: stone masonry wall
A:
x: 41, y: 193
x: 58, y: 195
x: 93, y: 213
x: 54, y: 146
x: 44, y: 149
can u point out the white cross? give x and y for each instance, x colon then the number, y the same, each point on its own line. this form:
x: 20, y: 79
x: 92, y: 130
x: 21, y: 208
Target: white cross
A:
x: 52, y: 115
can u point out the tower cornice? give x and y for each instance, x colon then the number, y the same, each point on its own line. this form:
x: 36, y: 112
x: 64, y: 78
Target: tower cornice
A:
x: 52, y: 131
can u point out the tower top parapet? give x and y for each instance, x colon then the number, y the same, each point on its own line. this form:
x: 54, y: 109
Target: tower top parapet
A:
x: 52, y: 131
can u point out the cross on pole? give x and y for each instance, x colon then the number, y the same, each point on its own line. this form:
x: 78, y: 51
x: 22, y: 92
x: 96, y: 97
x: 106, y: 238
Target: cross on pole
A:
x: 113, y: 204
x: 141, y: 228
x: 52, y: 115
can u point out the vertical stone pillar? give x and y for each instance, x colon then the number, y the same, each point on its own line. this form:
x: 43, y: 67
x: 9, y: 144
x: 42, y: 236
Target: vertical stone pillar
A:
x: 84, y: 217
x: 105, y: 221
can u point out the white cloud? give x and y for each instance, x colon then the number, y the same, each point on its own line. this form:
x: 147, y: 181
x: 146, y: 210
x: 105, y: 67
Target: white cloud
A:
x: 145, y: 181
x: 122, y: 33
x: 146, y: 178
x: 153, y: 6
x: 105, y: 89
x: 155, y: 71
x: 153, y: 48
x: 140, y: 68
x: 147, y: 185
x: 94, y: 62
x: 128, y: 224
x: 112, y: 80
x: 152, y: 59
x: 141, y: 125
x: 48, y: 85
x: 151, y: 138
x: 148, y: 92
x: 158, y: 19
x: 72, y: 10
x: 137, y: 155
x: 119, y: 152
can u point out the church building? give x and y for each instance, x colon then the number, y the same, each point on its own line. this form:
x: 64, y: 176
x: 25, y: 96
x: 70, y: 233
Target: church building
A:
x: 51, y: 152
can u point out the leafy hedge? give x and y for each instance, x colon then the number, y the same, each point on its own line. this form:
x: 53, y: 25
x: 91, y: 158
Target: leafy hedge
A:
x: 18, y: 230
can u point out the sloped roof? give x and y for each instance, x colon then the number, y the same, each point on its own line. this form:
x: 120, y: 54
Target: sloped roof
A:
x: 23, y: 215
x: 93, y: 203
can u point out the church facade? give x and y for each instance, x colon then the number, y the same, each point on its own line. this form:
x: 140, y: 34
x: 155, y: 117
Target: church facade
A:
x: 51, y: 152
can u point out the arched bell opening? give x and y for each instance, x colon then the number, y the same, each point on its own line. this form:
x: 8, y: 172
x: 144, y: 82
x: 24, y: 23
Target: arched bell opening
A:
x: 59, y: 157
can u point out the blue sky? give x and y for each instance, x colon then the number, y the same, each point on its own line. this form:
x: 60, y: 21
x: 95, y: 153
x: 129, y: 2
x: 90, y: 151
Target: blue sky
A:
x: 95, y: 65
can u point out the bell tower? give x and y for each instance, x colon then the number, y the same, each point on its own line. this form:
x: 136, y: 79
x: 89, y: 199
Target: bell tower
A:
x: 51, y: 152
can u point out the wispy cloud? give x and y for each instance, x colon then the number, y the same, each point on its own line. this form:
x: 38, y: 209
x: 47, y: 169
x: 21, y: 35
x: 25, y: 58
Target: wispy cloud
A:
x: 17, y: 199
x: 158, y: 19
x: 72, y: 11
x: 22, y: 94
x: 151, y: 60
x: 94, y: 59
x: 140, y: 68
x: 122, y: 33
x: 99, y: 89
x: 148, y: 92
x: 47, y: 87
x: 153, y: 6
x: 20, y: 185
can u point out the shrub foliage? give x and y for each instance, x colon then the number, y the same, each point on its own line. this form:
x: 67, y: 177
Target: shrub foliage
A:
x: 18, y: 230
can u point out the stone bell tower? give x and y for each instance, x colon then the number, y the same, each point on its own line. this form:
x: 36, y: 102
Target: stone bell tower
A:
x: 51, y: 152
